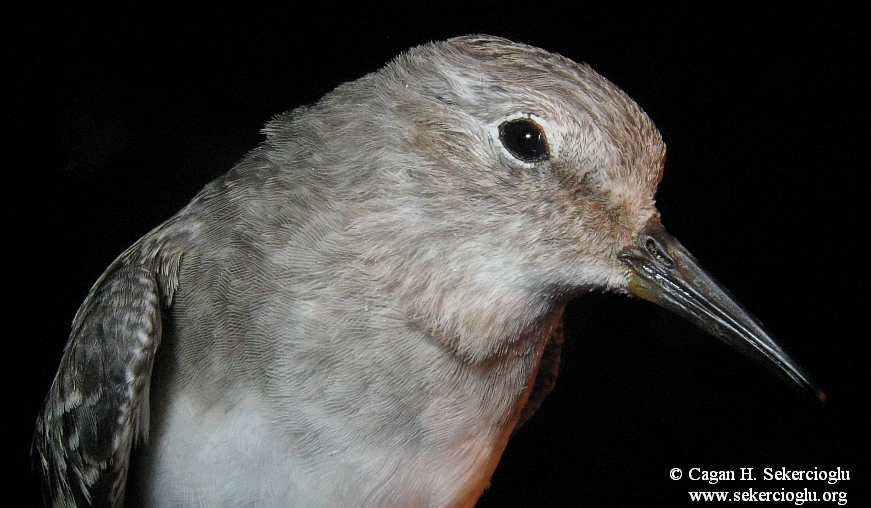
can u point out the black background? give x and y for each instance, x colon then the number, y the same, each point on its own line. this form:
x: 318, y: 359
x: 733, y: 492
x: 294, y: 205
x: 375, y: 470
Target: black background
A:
x: 114, y: 120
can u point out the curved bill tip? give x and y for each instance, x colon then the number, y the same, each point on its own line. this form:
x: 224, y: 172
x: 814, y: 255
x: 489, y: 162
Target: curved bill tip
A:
x: 662, y: 271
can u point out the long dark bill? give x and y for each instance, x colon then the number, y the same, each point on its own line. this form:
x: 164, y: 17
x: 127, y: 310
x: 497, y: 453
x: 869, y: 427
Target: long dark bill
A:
x: 662, y: 271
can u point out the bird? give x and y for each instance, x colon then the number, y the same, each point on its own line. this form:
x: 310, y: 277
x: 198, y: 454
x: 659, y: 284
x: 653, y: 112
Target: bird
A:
x: 365, y: 309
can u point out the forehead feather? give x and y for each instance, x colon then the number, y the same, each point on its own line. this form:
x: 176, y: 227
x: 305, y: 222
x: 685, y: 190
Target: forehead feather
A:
x: 491, y: 79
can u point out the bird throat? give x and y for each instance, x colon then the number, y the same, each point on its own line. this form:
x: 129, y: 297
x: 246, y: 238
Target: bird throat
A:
x: 531, y: 393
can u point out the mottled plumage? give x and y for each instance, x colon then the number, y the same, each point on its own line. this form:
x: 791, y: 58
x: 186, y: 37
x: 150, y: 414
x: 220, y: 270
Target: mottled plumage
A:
x: 356, y: 314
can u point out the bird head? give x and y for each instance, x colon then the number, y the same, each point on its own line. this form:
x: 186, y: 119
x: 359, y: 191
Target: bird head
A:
x: 545, y: 157
x: 502, y: 180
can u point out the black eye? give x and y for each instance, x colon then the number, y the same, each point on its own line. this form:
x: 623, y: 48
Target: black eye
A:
x: 524, y: 139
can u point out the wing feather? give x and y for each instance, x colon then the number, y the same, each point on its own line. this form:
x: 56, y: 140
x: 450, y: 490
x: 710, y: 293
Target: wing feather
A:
x: 545, y: 380
x: 98, y: 402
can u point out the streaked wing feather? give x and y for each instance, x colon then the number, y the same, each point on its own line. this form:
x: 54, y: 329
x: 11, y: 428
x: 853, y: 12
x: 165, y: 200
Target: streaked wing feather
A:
x: 98, y: 401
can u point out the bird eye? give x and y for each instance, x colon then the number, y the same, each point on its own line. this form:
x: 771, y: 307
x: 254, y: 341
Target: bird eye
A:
x: 524, y: 139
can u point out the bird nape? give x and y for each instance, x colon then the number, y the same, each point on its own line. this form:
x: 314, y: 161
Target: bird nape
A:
x: 362, y: 311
